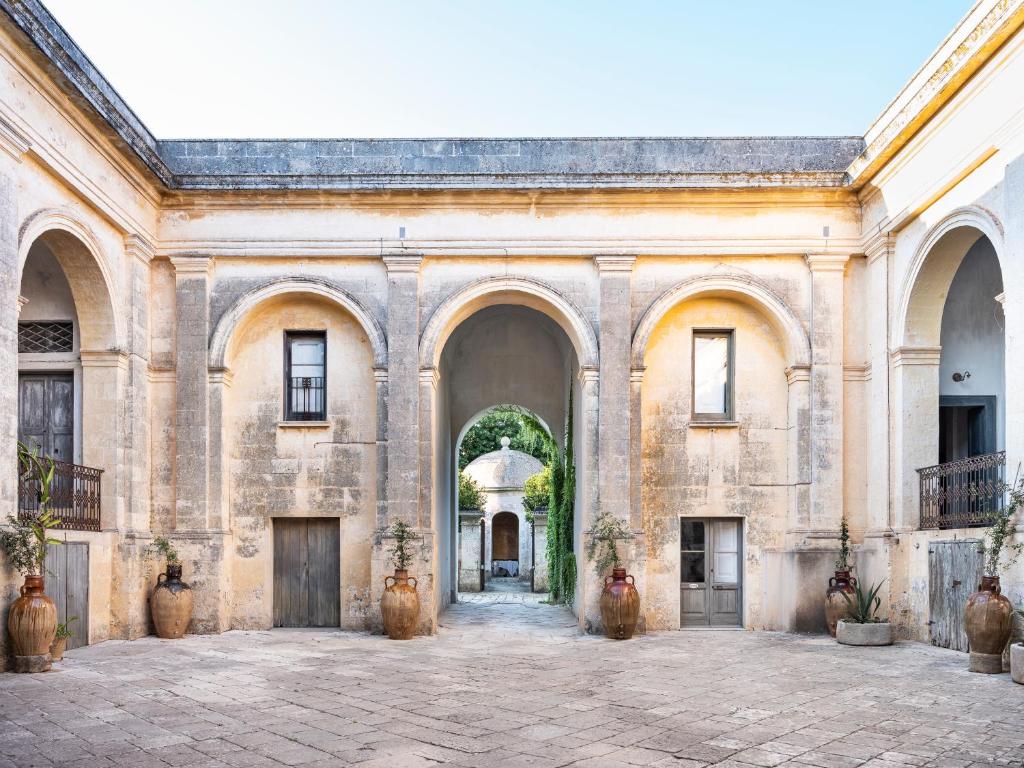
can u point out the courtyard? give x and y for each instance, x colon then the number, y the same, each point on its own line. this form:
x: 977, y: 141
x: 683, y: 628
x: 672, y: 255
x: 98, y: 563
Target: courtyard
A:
x: 509, y: 681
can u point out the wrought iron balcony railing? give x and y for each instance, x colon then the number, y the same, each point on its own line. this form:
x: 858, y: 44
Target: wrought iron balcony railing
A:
x: 965, y: 493
x: 306, y: 399
x: 74, y: 496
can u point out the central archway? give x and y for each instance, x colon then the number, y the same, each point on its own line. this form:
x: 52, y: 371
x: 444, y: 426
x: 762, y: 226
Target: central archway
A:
x: 510, y: 340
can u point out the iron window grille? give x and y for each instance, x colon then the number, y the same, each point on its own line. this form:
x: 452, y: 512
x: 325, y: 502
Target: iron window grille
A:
x: 46, y: 337
x: 305, y: 376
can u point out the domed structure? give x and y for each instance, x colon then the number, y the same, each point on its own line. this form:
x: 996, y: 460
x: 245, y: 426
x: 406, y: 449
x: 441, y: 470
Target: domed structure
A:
x: 502, y: 475
x: 504, y: 469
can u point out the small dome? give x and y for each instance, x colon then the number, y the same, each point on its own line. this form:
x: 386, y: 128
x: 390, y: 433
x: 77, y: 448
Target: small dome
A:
x: 504, y: 469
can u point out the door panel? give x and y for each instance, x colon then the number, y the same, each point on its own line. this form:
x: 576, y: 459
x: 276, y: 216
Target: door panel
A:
x: 307, y: 572
x: 46, y: 413
x: 67, y: 584
x: 954, y: 572
x: 711, y: 572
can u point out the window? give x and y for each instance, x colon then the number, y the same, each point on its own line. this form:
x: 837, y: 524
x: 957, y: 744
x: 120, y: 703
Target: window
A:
x: 305, y: 375
x: 712, y: 375
x: 45, y: 337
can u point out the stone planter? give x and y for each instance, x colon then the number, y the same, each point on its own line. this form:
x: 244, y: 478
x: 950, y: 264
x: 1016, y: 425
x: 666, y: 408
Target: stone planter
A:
x: 32, y: 623
x: 400, y: 606
x: 1017, y: 663
x: 988, y: 620
x: 836, y: 607
x: 620, y: 605
x: 874, y: 633
x: 60, y: 645
x: 171, y: 604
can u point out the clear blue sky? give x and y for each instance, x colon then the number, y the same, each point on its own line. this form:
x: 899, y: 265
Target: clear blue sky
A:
x: 313, y: 68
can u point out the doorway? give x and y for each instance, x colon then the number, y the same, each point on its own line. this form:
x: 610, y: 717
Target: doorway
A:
x: 307, y: 572
x: 711, y: 572
x: 46, y: 413
x: 505, y: 544
x: 967, y: 426
x: 67, y: 582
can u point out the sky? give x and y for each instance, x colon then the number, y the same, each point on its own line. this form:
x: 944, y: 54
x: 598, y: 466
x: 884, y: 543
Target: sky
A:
x: 388, y: 68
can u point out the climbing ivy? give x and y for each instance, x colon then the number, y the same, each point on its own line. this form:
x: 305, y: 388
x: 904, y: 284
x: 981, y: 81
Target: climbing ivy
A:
x: 561, y: 513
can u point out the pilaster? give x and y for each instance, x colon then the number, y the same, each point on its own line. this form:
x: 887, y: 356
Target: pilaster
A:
x: 879, y: 252
x: 827, y: 348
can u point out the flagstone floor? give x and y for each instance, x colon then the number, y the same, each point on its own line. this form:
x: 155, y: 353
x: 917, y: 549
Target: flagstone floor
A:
x: 509, y: 682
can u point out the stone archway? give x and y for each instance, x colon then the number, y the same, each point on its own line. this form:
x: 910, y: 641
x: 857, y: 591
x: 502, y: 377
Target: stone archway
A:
x: 917, y: 340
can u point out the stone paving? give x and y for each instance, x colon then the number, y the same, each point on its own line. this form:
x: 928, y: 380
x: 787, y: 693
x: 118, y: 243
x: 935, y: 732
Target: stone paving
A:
x: 509, y: 682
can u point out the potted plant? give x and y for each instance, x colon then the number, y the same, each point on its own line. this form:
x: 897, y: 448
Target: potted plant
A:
x: 471, y: 496
x: 842, y: 584
x: 400, y: 605
x: 988, y: 616
x: 861, y: 625
x: 32, y: 618
x: 1017, y: 659
x: 60, y: 639
x: 171, y: 603
x: 620, y: 601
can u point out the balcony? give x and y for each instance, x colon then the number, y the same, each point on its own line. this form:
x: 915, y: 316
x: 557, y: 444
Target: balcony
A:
x: 965, y: 493
x: 74, y: 496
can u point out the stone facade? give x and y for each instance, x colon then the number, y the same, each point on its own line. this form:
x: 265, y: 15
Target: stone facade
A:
x: 829, y: 260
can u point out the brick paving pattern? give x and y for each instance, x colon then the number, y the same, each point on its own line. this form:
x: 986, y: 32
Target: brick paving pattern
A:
x: 509, y: 682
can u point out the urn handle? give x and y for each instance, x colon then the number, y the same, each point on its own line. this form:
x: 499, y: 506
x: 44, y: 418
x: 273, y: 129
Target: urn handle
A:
x: 631, y: 579
x: 831, y: 581
x: 386, y: 585
x: 414, y: 582
x: 161, y: 576
x: 606, y: 580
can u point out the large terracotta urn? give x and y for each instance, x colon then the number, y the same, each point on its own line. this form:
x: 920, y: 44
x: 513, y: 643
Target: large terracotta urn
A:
x: 32, y: 623
x: 171, y: 604
x: 620, y: 605
x: 836, y: 607
x: 988, y: 619
x: 400, y: 606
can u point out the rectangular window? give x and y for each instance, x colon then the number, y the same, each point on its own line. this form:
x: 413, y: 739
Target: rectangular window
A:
x: 305, y: 375
x: 712, y: 375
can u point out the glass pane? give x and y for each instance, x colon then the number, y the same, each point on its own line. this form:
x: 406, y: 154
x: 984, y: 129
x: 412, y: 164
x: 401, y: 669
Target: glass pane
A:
x: 727, y: 536
x: 710, y: 374
x: 693, y: 567
x: 307, y: 358
x: 692, y: 535
x: 726, y: 567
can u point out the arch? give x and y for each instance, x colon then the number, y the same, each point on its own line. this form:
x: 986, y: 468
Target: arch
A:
x: 88, y: 273
x: 923, y: 292
x: 484, y: 411
x: 507, y: 290
x: 741, y: 287
x: 309, y: 286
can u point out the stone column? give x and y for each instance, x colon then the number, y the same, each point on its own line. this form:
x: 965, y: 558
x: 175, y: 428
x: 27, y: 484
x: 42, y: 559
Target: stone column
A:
x: 587, y: 458
x: 137, y: 453
x: 191, y: 412
x: 12, y: 147
x: 636, y: 384
x: 1013, y: 314
x: 403, y: 388
x: 827, y: 327
x: 879, y: 253
x: 104, y: 384
x: 470, y: 553
x: 915, y: 390
x: 798, y: 378
x: 380, y: 379
x: 220, y: 380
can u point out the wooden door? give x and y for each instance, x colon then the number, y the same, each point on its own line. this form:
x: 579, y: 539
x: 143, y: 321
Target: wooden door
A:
x: 46, y: 408
x: 67, y: 584
x: 711, y: 572
x: 307, y: 572
x: 954, y: 572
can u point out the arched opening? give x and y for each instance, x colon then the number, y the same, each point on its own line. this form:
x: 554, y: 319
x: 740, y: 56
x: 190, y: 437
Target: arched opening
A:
x: 492, y: 344
x: 949, y: 380
x: 70, y: 373
x: 294, y: 416
x: 505, y: 555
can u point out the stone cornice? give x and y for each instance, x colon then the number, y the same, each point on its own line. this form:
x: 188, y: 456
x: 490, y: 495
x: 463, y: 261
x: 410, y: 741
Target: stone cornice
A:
x: 985, y: 28
x: 621, y: 263
x: 430, y: 377
x: 13, y: 141
x: 222, y: 376
x: 403, y: 263
x: 916, y: 356
x: 588, y: 375
x: 827, y: 262
x: 104, y: 358
x: 879, y: 244
x: 139, y: 248
x: 193, y: 265
x: 797, y: 373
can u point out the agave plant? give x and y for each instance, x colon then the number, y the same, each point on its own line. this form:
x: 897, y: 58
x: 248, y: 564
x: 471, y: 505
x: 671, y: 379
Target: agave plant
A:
x: 863, y: 606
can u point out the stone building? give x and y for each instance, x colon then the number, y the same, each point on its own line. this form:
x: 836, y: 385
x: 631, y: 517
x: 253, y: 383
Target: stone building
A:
x: 231, y: 339
x: 508, y: 542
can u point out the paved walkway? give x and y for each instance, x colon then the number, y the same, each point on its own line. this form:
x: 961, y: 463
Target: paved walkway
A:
x: 507, y: 684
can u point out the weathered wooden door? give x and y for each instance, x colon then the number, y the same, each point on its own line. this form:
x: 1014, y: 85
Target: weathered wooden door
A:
x: 67, y: 584
x: 46, y: 413
x: 954, y: 572
x: 307, y: 572
x: 711, y: 573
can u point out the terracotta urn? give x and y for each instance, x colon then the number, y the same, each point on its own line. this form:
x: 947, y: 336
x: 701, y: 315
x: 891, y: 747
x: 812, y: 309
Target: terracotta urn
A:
x: 400, y: 605
x: 988, y: 620
x: 171, y: 604
x: 836, y: 607
x: 620, y: 605
x: 32, y: 623
x: 60, y: 644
